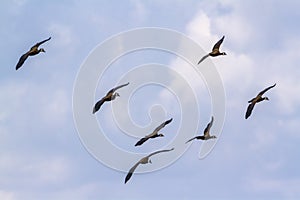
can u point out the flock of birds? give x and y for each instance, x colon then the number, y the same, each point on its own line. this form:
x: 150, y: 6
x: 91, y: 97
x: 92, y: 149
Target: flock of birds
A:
x: 112, y: 94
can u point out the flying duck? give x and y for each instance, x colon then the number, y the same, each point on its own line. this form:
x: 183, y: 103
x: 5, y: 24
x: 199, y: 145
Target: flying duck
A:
x: 144, y: 160
x: 206, y: 135
x: 154, y: 134
x: 257, y: 99
x: 215, y: 51
x: 111, y: 95
x: 34, y: 50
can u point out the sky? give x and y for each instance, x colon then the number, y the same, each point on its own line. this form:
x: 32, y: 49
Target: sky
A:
x: 42, y: 155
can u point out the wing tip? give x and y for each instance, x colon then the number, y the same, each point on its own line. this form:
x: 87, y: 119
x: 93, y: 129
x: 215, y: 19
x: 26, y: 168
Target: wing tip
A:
x: 247, y: 115
x: 126, y: 180
x: 139, y: 143
x: 95, y: 110
x: 169, y: 120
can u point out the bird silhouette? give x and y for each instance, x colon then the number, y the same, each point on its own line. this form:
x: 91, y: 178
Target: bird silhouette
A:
x: 154, y: 134
x: 144, y: 160
x: 206, y: 135
x: 257, y: 99
x: 215, y: 51
x: 111, y: 95
x: 34, y: 50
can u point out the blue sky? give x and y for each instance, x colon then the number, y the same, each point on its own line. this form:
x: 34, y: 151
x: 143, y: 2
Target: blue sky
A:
x: 41, y: 155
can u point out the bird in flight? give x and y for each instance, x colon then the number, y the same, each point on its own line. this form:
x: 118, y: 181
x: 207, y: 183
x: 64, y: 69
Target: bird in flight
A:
x: 111, y: 95
x: 154, y: 134
x: 257, y: 99
x: 215, y: 51
x: 144, y: 160
x: 34, y: 50
x: 206, y: 135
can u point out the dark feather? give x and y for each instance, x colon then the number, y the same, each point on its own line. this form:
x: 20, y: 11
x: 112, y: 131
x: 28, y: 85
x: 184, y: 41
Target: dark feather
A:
x: 209, y: 125
x: 162, y: 125
x: 116, y: 88
x: 203, y: 58
x: 132, y: 169
x: 218, y: 44
x: 249, y: 110
x: 141, y: 141
x: 191, y: 139
x: 265, y: 90
x: 39, y: 43
x: 98, y: 105
x: 22, y: 60
x: 156, y: 152
x: 129, y: 174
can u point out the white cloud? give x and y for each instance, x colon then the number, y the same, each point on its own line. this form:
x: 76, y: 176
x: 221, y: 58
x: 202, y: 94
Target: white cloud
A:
x: 5, y: 195
x: 14, y: 92
x: 200, y: 29
x: 140, y: 12
x: 56, y: 107
x: 48, y: 170
x: 63, y: 35
x: 263, y: 139
x: 34, y: 170
x: 285, y: 189
x: 20, y: 2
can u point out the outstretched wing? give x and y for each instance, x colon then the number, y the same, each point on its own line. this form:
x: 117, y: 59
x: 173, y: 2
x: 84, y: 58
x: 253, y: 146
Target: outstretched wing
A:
x: 116, y: 88
x: 129, y: 174
x: 191, y: 139
x: 22, y: 60
x: 162, y: 125
x: 141, y: 141
x: 218, y: 44
x: 262, y: 92
x: 203, y: 58
x: 161, y: 151
x: 98, y: 105
x: 39, y: 43
x: 249, y: 110
x: 209, y: 125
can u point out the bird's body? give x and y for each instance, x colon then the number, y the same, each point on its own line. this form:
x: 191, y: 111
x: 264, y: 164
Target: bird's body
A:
x: 34, y: 50
x: 143, y: 160
x: 154, y: 134
x: 206, y: 135
x: 257, y: 99
x: 111, y: 95
x: 215, y: 51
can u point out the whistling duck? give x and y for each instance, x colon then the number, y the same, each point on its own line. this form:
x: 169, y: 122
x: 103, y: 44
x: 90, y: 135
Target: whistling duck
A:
x: 215, y: 51
x: 206, y: 135
x: 144, y: 160
x: 154, y: 134
x: 111, y: 95
x: 34, y: 50
x: 257, y: 99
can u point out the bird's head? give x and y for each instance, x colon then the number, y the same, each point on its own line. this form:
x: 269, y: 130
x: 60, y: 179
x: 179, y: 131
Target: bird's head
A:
x: 160, y: 135
x: 117, y: 94
x: 150, y: 161
x: 266, y: 98
x: 213, y: 136
x: 42, y: 50
x: 224, y: 53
